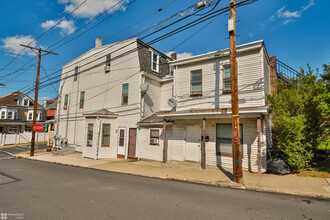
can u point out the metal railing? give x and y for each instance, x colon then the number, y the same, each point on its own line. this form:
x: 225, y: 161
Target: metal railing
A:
x: 285, y: 72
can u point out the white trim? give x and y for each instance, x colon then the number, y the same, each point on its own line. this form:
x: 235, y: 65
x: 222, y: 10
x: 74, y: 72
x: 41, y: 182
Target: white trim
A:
x: 152, y: 61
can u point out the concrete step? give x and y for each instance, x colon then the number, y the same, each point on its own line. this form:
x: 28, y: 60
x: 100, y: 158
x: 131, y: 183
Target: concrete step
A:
x: 65, y: 151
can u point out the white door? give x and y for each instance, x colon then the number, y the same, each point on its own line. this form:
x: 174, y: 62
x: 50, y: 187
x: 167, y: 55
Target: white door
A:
x: 193, y: 143
x: 121, y: 141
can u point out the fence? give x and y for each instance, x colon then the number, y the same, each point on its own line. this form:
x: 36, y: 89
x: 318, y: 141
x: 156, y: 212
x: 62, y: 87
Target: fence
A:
x: 25, y: 137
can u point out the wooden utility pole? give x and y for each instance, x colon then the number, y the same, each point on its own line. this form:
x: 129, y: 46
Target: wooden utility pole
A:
x: 237, y: 154
x: 36, y: 92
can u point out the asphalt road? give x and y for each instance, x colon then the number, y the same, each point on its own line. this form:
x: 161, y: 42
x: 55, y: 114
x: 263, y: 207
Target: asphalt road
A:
x: 42, y: 190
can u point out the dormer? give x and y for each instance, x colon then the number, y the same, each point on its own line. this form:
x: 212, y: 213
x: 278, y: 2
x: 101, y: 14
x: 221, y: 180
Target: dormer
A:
x: 23, y: 101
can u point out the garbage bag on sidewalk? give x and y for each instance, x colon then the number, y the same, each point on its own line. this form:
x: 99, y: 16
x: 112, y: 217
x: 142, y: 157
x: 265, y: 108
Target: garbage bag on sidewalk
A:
x: 277, y: 166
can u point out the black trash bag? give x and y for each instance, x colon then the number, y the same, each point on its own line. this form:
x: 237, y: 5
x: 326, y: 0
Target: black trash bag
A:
x: 277, y: 166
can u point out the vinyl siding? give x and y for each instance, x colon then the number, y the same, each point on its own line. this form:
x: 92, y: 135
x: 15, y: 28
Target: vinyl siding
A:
x: 166, y: 94
x: 152, y: 98
x: 250, y: 83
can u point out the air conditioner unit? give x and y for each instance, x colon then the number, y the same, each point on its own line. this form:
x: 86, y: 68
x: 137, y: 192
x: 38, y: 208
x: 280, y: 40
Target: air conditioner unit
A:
x: 107, y: 68
x: 153, y: 140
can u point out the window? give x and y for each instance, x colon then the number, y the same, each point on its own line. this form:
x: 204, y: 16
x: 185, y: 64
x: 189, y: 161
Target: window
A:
x: 107, y: 63
x: 66, y: 100
x: 19, y: 102
x: 12, y: 130
x: 3, y: 114
x: 75, y: 73
x: 154, y: 136
x: 171, y: 70
x: 106, y: 135
x: 82, y: 99
x: 90, y: 135
x: 154, y: 61
x: 26, y: 102
x: 38, y: 116
x: 124, y: 100
x: 224, y: 143
x: 10, y: 115
x: 30, y: 116
x: 15, y: 115
x: 226, y: 79
x: 121, y: 137
x: 196, y: 83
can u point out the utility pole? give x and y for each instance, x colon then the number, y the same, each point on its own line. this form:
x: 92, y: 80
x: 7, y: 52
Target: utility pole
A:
x: 236, y: 141
x: 36, y: 92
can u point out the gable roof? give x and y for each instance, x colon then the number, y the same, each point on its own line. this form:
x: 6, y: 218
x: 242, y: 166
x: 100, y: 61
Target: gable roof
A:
x: 101, y: 113
x: 10, y: 100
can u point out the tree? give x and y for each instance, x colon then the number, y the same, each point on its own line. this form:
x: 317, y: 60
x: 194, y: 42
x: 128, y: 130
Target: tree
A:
x: 300, y: 115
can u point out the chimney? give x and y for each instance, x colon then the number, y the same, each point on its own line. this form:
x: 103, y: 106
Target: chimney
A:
x: 98, y: 42
x: 173, y: 56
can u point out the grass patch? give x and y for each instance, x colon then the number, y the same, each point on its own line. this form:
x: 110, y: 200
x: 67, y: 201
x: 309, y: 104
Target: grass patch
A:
x: 318, y: 169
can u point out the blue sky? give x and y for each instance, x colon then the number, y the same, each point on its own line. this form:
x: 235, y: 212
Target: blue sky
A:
x: 297, y: 32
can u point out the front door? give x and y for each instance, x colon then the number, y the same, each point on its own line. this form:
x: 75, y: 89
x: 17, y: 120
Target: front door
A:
x: 132, y: 142
x: 193, y: 143
x: 121, y: 142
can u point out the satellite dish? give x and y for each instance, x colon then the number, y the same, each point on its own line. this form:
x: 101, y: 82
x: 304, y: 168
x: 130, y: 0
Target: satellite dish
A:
x: 171, y: 102
x: 144, y: 87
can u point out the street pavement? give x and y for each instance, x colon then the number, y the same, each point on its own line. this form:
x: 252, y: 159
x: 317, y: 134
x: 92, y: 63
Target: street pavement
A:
x: 20, y: 149
x: 40, y: 190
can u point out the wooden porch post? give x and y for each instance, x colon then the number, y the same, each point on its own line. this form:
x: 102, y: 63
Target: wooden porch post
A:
x: 164, y: 147
x: 259, y: 143
x: 203, y: 147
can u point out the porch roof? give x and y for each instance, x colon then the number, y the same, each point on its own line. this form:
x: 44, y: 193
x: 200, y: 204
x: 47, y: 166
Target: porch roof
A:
x: 101, y: 113
x: 220, y: 112
x: 152, y: 120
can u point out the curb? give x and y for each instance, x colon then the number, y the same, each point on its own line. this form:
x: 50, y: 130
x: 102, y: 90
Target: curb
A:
x: 209, y: 183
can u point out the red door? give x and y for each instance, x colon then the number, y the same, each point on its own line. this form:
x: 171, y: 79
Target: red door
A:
x: 132, y: 143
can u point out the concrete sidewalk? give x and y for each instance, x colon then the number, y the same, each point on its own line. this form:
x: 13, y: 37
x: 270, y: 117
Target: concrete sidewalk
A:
x: 191, y: 172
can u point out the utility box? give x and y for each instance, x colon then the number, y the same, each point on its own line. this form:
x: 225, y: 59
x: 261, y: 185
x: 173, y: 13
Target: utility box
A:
x: 230, y: 25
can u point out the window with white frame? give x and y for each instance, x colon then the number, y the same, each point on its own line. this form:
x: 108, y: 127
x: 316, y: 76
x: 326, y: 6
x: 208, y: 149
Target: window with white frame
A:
x: 30, y: 115
x: 12, y: 130
x: 82, y: 99
x: 121, y: 137
x: 107, y: 63
x: 154, y: 136
x: 105, y: 135
x: 196, y: 83
x: 124, y: 99
x: 90, y: 135
x: 171, y: 70
x: 154, y: 61
x: 66, y: 100
x: 15, y: 115
x: 39, y: 116
x: 25, y: 102
x: 226, y: 79
x: 3, y: 114
x: 76, y: 70
x: 10, y: 115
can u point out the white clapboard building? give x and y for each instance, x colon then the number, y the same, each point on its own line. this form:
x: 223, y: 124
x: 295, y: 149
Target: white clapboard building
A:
x: 115, y: 101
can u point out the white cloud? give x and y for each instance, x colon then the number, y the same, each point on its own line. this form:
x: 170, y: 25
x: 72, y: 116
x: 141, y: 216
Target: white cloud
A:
x: 67, y: 26
x: 180, y: 55
x: 290, y: 16
x: 44, y: 98
x: 12, y: 44
x: 91, y: 8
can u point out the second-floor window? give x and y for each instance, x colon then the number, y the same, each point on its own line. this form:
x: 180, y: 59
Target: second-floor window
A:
x: 107, y: 63
x: 3, y: 115
x: 82, y: 99
x: 154, y: 61
x: 10, y: 115
x: 76, y: 70
x: 196, y: 83
x: 226, y: 79
x: 26, y: 102
x: 66, y: 100
x: 124, y: 99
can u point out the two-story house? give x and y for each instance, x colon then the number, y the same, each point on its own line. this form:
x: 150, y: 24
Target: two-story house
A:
x: 201, y: 103
x: 101, y: 98
x: 16, y: 113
